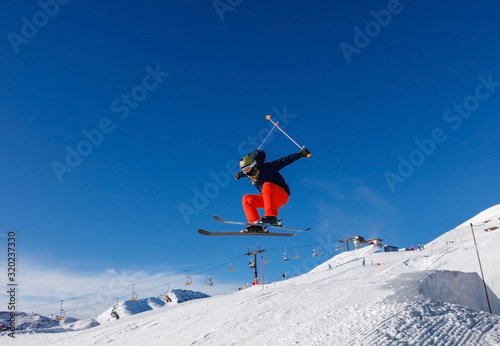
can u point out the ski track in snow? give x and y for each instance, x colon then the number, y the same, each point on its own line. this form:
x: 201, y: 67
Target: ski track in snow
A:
x: 430, y: 297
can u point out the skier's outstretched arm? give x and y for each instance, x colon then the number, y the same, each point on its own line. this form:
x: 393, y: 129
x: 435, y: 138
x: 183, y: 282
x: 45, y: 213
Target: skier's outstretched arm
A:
x: 286, y: 160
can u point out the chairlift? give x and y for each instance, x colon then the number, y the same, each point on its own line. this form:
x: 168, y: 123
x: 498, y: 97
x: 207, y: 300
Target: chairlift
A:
x: 166, y: 297
x: 134, y: 294
x: 314, y: 253
x: 62, y: 313
x: 284, y: 256
x: 321, y: 251
x: 296, y: 254
x: 251, y: 264
x: 209, y: 279
x: 231, y: 266
x: 114, y: 314
x: 189, y: 281
x: 265, y: 259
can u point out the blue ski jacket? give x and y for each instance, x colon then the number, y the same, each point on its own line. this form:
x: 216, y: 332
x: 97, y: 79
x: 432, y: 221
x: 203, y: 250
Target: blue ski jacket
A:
x: 269, y: 171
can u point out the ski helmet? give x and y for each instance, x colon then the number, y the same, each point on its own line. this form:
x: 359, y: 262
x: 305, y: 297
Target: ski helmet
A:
x: 247, y: 163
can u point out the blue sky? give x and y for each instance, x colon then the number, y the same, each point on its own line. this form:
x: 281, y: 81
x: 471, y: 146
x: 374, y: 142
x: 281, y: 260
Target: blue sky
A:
x: 161, y: 99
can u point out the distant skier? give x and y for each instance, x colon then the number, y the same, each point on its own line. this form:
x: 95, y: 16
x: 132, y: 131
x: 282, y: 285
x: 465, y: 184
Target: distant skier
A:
x: 265, y: 176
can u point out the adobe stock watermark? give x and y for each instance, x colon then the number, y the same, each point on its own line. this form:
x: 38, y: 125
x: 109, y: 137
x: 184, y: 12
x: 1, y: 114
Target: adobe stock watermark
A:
x: 30, y: 27
x: 221, y: 179
x: 223, y: 6
x: 454, y: 116
x: 122, y: 107
x: 373, y: 28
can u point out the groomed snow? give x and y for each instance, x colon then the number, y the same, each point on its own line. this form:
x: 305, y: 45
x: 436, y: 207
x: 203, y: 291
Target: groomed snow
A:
x: 430, y: 297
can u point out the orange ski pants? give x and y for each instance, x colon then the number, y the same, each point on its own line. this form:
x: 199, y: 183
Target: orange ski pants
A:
x: 271, y: 199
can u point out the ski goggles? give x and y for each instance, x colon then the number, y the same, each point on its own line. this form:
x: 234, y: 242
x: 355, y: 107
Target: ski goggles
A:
x: 249, y: 167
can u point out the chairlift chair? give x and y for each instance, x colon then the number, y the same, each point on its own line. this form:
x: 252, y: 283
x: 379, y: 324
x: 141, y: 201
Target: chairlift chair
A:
x: 114, y: 314
x: 296, y: 255
x: 134, y: 294
x: 284, y: 256
x: 62, y: 313
x: 189, y: 281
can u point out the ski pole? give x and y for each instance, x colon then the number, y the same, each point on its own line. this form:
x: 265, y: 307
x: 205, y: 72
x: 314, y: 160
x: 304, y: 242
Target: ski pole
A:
x: 268, y: 117
x: 265, y: 139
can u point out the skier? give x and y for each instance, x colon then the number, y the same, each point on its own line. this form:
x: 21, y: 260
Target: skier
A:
x: 270, y: 183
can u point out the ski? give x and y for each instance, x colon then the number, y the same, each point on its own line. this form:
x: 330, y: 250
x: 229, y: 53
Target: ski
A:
x: 265, y: 234
x: 263, y: 225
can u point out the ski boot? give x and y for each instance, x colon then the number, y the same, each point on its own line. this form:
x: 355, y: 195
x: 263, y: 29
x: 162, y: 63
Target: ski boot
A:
x: 254, y: 229
x: 269, y: 220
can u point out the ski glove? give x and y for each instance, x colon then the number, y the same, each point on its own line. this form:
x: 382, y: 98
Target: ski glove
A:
x: 305, y: 153
x: 237, y: 176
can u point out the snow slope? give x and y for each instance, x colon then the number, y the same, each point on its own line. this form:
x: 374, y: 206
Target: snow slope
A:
x: 430, y: 297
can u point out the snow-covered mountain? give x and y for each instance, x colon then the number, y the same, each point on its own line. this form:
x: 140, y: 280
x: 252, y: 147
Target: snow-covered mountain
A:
x: 27, y: 322
x: 435, y: 296
x: 132, y: 307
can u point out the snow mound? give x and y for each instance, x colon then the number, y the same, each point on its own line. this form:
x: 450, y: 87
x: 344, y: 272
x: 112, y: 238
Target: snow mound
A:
x: 444, y: 286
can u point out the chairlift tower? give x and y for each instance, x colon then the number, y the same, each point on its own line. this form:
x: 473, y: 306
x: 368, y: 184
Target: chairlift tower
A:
x: 254, y: 253
x: 346, y: 242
